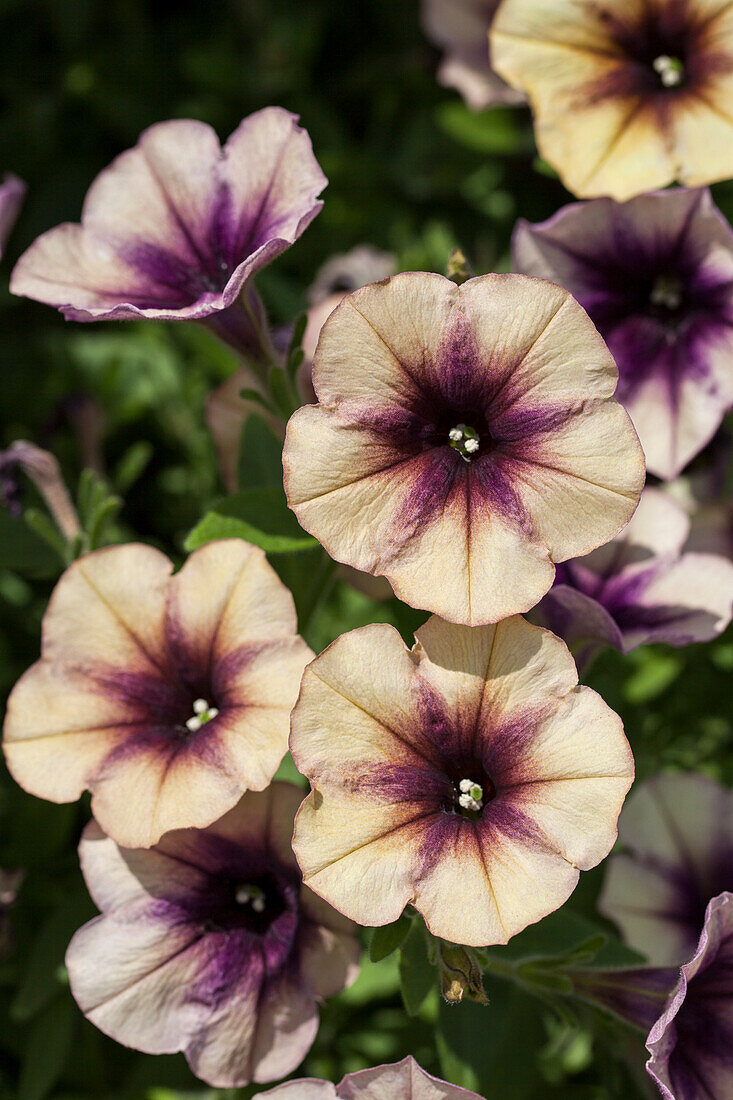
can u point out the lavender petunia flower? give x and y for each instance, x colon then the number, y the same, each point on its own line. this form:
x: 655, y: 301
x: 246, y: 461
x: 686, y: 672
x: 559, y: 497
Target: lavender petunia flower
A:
x: 151, y: 687
x: 209, y: 943
x: 640, y: 587
x: 461, y: 28
x: 656, y: 277
x: 627, y: 95
x: 465, y: 440
x: 470, y: 777
x: 12, y: 193
x: 678, y: 834
x: 691, y: 1045
x: 404, y: 1080
x: 175, y: 227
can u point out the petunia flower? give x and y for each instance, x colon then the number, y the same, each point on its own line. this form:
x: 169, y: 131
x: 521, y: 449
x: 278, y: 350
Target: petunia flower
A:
x: 691, y: 1045
x: 208, y: 943
x: 405, y: 1080
x: 175, y: 227
x: 470, y: 777
x: 12, y: 193
x: 678, y: 834
x: 656, y: 277
x: 640, y: 587
x: 626, y: 97
x: 461, y: 28
x: 167, y: 697
x: 466, y: 439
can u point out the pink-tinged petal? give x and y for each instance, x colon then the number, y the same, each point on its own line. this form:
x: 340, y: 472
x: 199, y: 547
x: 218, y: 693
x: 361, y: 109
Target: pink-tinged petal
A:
x: 462, y: 29
x: 690, y: 1044
x: 182, y: 959
x: 388, y: 739
x: 167, y: 697
x: 405, y: 1079
x: 173, y: 228
x: 373, y: 471
x: 678, y: 832
x: 12, y: 193
x: 655, y: 275
x: 583, y: 624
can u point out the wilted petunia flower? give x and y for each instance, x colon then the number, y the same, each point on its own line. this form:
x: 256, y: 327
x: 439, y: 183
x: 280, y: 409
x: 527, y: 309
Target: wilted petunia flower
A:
x: 175, y: 227
x: 465, y: 440
x: 656, y: 276
x: 208, y: 943
x: 12, y: 193
x: 461, y: 28
x: 405, y: 1080
x: 678, y: 835
x: 691, y: 1045
x: 167, y: 697
x: 626, y: 97
x: 640, y: 587
x: 470, y: 777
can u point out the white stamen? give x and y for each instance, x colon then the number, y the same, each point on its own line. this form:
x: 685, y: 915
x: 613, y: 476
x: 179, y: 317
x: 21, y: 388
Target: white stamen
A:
x: 471, y: 445
x: 472, y: 795
x: 667, y: 291
x: 251, y: 895
x: 670, y: 70
x: 455, y: 434
x: 202, y: 714
x: 465, y: 440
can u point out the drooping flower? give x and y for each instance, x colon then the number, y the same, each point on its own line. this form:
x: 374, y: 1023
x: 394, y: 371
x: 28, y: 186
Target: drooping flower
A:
x: 678, y: 834
x: 656, y: 277
x: 470, y: 777
x: 466, y: 439
x: 12, y: 193
x: 227, y: 410
x: 405, y: 1080
x: 461, y: 28
x: 626, y: 97
x: 174, y: 228
x: 208, y: 943
x: 640, y: 587
x: 691, y: 1045
x: 167, y: 697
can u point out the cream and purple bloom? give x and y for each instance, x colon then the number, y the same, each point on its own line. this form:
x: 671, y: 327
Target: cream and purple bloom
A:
x: 165, y: 696
x: 691, y: 1045
x: 174, y: 228
x: 677, y: 832
x: 209, y: 943
x: 404, y: 1080
x: 640, y: 587
x: 469, y: 777
x: 461, y: 29
x: 627, y: 96
x: 465, y: 440
x: 12, y: 193
x: 656, y: 277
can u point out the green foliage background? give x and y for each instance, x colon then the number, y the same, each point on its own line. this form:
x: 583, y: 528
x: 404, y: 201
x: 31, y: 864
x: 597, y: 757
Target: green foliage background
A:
x: 411, y: 171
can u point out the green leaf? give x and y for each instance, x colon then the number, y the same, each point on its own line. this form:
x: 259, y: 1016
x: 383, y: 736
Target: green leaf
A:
x: 261, y: 516
x: 376, y: 982
x: 260, y: 455
x: 498, y: 130
x: 24, y: 551
x: 43, y: 976
x: 418, y: 976
x: 47, y: 1048
x: 388, y: 938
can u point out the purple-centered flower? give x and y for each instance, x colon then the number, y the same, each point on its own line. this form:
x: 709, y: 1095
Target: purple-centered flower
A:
x: 12, y: 193
x: 640, y: 587
x: 656, y: 276
x: 461, y: 28
x: 165, y: 696
x: 209, y: 943
x: 466, y: 439
x: 404, y: 1080
x: 175, y: 227
x: 677, y: 831
x: 470, y: 777
x: 691, y: 1045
